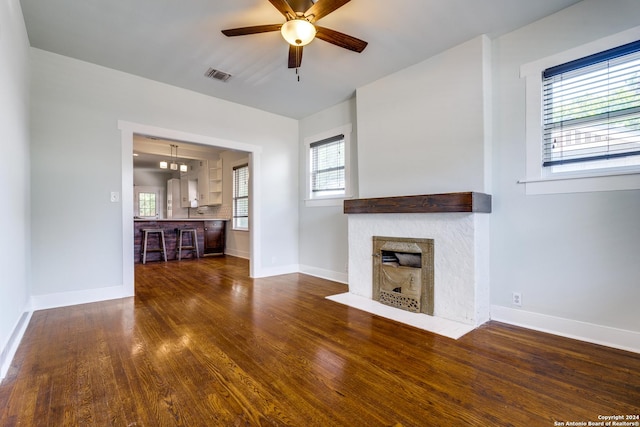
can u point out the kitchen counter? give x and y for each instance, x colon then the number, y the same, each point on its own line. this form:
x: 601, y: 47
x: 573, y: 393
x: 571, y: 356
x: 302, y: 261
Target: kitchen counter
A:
x: 177, y: 219
x: 210, y: 232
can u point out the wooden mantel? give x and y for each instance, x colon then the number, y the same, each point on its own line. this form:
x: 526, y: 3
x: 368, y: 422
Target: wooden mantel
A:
x: 427, y: 203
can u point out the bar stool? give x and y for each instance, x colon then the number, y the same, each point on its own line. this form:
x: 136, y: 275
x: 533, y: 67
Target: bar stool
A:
x: 194, y: 242
x: 161, y: 243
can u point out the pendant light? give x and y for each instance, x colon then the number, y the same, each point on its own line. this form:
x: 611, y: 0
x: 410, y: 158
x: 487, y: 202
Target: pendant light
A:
x: 173, y: 165
x: 173, y: 162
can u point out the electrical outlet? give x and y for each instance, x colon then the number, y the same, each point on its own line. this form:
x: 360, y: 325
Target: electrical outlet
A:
x: 516, y: 299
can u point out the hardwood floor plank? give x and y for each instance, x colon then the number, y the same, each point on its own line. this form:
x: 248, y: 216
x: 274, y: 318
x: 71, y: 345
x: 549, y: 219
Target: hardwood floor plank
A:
x: 202, y: 344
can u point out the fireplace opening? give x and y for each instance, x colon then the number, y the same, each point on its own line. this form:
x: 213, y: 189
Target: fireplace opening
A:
x: 403, y: 273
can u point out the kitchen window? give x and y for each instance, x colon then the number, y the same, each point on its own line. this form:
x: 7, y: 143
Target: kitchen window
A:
x: 241, y: 197
x: 147, y: 205
x: 583, y: 118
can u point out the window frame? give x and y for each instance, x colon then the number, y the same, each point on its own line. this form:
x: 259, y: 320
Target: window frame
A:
x: 542, y: 180
x: 160, y: 201
x: 234, y: 168
x: 311, y: 199
x: 155, y: 204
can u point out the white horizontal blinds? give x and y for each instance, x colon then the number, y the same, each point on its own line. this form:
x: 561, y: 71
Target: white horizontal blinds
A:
x: 591, y: 107
x: 327, y: 165
x: 241, y: 196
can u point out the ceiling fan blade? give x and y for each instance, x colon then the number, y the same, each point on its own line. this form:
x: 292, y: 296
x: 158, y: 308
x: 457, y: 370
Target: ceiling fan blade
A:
x: 295, y: 56
x: 284, y: 8
x: 322, y: 8
x: 256, y: 29
x: 340, y: 39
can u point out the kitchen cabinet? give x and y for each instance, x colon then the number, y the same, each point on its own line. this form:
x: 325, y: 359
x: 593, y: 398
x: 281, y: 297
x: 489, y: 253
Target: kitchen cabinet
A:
x: 174, y: 208
x: 188, y: 192
x: 215, y: 182
x: 210, y: 183
x: 214, y: 237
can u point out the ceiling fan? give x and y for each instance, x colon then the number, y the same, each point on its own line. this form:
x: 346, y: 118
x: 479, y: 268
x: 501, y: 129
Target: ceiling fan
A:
x: 300, y: 29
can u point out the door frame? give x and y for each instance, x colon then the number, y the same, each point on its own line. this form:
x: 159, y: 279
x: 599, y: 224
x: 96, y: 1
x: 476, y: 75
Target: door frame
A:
x: 127, y: 131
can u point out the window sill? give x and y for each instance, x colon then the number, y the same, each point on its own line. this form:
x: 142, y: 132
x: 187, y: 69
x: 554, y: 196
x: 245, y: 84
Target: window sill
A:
x: 328, y: 201
x: 582, y: 183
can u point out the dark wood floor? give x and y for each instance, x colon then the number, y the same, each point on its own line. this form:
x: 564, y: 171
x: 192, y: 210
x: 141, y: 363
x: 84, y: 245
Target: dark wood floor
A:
x: 203, y: 345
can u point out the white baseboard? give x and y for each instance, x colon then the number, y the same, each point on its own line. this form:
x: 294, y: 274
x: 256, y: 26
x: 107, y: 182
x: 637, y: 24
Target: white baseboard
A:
x: 9, y: 351
x: 589, y: 332
x: 276, y: 271
x: 63, y: 299
x: 334, y: 276
x: 237, y: 253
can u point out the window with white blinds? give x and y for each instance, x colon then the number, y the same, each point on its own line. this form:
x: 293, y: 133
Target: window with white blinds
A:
x: 328, y: 166
x: 591, y: 111
x: 241, y: 197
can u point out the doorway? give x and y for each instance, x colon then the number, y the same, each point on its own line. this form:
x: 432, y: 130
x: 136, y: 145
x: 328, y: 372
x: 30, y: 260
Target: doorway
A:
x: 130, y: 131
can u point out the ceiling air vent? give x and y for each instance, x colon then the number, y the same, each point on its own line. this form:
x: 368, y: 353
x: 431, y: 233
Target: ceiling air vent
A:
x: 217, y: 75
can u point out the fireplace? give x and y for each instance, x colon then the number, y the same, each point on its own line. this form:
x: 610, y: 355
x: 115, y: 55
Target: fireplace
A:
x: 457, y: 284
x: 403, y: 273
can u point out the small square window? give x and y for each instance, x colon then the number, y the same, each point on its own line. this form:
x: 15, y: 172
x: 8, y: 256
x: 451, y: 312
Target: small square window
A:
x: 146, y: 205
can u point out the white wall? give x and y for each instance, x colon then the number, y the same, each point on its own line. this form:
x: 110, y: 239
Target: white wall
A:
x: 323, y: 229
x: 14, y: 174
x: 77, y: 162
x: 573, y: 256
x: 402, y: 114
x: 146, y: 177
x: 422, y: 130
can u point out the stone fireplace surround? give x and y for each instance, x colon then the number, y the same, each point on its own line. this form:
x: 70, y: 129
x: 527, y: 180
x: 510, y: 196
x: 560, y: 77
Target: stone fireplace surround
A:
x: 459, y: 226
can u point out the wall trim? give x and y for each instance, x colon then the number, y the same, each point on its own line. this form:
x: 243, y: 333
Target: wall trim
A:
x: 236, y: 253
x: 590, y: 332
x: 85, y: 296
x: 331, y: 275
x: 9, y: 351
x: 277, y: 271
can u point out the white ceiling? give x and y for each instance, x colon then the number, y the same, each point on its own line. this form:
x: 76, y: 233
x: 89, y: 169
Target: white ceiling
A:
x: 176, y: 41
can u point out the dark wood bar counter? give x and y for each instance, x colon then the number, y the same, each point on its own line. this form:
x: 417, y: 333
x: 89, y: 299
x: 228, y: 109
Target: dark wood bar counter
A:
x: 213, y: 229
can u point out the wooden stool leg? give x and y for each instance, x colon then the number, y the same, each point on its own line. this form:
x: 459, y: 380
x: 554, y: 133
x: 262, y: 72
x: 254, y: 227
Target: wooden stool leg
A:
x: 164, y: 246
x: 144, y: 250
x: 195, y: 242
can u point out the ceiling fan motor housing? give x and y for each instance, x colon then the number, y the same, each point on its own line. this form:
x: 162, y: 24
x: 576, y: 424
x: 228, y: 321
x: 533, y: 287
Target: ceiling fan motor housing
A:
x: 300, y: 6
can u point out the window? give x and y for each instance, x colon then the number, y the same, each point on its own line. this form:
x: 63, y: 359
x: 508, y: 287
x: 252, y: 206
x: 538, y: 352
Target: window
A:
x: 591, y: 111
x: 241, y: 197
x: 583, y: 117
x: 147, y: 204
x: 328, y: 166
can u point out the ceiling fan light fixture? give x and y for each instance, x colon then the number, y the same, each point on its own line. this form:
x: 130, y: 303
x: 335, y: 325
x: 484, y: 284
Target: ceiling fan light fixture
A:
x: 298, y: 32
